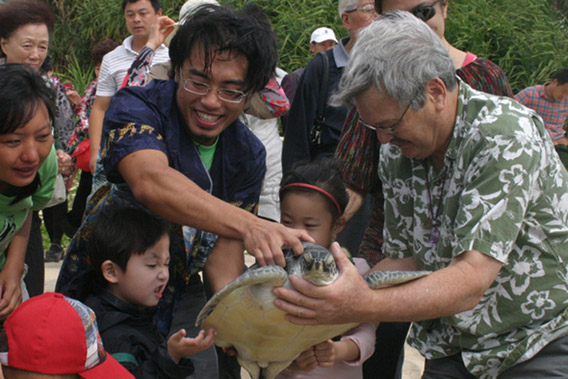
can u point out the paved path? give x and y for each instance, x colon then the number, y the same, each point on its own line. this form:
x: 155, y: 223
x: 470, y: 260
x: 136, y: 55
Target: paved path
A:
x: 413, y: 362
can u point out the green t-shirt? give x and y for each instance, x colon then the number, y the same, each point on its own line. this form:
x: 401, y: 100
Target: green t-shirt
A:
x: 12, y: 216
x: 505, y: 195
x: 207, y: 153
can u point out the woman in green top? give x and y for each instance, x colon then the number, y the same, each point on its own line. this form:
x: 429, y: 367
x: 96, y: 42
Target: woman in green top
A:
x: 28, y: 167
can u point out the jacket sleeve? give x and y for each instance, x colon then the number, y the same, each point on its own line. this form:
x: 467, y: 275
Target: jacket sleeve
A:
x: 158, y: 365
x: 301, y: 116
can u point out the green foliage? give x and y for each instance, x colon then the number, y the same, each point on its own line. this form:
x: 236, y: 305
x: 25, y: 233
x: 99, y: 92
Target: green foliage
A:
x: 528, y: 42
x: 294, y: 21
x: 80, y: 75
x: 527, y: 39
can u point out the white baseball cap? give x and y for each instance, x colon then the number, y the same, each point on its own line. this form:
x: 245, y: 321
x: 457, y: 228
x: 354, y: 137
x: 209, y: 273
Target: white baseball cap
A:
x: 188, y: 8
x: 191, y: 5
x: 323, y: 34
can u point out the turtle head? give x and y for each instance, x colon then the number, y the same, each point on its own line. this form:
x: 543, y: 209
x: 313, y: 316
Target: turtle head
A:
x: 317, y: 265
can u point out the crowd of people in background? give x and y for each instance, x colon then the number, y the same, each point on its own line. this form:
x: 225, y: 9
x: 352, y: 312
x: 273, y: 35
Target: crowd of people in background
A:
x: 190, y: 147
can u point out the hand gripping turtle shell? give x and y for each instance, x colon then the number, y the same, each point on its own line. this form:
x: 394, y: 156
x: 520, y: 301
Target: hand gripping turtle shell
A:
x: 245, y: 317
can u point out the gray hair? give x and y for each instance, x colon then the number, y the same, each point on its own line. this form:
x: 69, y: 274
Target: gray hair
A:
x: 346, y: 5
x: 398, y: 54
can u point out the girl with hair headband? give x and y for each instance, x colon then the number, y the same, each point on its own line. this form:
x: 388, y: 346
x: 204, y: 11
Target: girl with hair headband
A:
x: 313, y: 197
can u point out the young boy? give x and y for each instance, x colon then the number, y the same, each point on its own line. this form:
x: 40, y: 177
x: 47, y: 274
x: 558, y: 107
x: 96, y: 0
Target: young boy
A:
x: 129, y: 251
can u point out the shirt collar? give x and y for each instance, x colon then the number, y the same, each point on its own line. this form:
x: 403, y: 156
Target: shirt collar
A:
x: 542, y: 93
x: 340, y: 54
x: 461, y: 117
x: 127, y: 43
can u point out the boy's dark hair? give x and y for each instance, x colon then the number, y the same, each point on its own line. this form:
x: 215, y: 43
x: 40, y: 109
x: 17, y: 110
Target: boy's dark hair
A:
x: 561, y: 76
x: 216, y: 29
x: 324, y: 174
x: 19, y: 13
x: 100, y: 50
x: 118, y: 233
x: 155, y: 4
x: 23, y: 90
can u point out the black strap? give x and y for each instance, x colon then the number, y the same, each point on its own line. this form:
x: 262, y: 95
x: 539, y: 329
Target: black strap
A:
x: 323, y: 87
x: 315, y: 132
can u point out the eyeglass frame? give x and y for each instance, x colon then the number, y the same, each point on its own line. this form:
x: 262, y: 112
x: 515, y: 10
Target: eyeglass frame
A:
x: 386, y: 129
x: 208, y: 87
x: 370, y: 8
x: 431, y: 8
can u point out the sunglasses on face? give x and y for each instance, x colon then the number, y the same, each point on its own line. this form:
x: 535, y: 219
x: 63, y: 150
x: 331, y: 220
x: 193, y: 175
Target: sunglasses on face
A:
x: 425, y: 11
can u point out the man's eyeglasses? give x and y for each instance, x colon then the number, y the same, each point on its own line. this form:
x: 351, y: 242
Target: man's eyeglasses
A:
x: 367, y: 8
x: 387, y: 129
x: 202, y: 89
x: 425, y: 11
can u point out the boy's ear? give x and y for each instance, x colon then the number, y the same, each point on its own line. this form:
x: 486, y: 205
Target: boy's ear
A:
x: 339, y: 225
x: 109, y: 271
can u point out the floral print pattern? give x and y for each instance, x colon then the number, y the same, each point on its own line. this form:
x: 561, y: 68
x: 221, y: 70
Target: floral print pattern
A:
x: 506, y: 196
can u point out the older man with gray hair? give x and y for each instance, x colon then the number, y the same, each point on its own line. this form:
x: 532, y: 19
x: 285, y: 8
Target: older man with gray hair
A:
x: 475, y: 193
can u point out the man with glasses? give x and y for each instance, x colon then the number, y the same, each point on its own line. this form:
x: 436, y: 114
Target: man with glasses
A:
x: 475, y: 193
x: 177, y: 148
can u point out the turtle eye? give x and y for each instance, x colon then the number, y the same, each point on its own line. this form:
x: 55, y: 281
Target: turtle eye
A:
x: 329, y: 260
x: 308, y: 257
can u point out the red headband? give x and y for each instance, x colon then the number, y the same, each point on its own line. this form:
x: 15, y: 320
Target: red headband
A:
x: 315, y: 188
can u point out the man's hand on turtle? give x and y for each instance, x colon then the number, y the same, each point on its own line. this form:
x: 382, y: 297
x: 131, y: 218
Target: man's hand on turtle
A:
x: 265, y: 239
x: 306, y: 304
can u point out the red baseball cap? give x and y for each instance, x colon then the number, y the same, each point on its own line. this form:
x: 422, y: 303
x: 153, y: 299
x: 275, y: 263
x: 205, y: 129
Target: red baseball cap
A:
x: 54, y: 334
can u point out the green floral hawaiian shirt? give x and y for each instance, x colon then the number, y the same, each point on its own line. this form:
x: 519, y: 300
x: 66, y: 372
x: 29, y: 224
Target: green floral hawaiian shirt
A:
x: 503, y: 192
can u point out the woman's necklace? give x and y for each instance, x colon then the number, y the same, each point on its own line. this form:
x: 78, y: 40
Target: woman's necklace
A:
x: 435, y: 218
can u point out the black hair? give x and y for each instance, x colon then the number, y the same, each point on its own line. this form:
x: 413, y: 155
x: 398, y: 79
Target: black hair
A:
x: 324, y: 174
x: 216, y: 29
x: 155, y: 4
x: 47, y: 65
x: 23, y: 90
x: 258, y: 13
x: 19, y: 13
x: 117, y: 233
x: 561, y: 76
x: 101, y: 48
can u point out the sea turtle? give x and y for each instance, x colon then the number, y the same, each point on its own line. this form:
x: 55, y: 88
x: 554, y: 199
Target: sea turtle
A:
x: 245, y: 318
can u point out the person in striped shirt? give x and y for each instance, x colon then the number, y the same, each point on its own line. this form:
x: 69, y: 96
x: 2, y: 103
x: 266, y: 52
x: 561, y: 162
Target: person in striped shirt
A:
x: 140, y: 16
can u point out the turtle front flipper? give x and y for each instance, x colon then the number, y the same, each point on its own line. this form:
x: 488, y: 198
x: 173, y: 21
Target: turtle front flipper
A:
x: 273, y: 369
x: 250, y: 367
x: 381, y: 279
x: 272, y: 274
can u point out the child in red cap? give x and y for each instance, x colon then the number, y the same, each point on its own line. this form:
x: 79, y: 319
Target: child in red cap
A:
x: 55, y: 335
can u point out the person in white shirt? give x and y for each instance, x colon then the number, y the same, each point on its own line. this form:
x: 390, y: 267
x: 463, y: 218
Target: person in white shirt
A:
x: 140, y: 16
